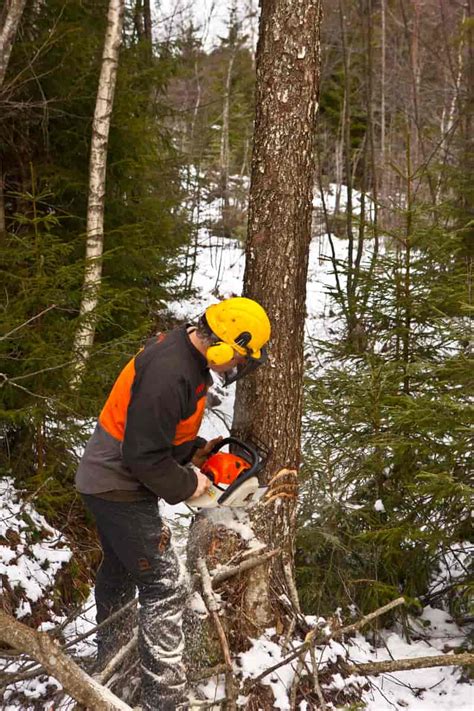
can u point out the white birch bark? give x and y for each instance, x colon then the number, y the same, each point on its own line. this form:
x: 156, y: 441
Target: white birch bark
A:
x: 382, y: 104
x: 14, y: 11
x: 449, y: 113
x: 225, y: 140
x: 97, y: 172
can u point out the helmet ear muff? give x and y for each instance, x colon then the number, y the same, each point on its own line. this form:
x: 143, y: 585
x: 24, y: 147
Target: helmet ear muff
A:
x: 219, y: 353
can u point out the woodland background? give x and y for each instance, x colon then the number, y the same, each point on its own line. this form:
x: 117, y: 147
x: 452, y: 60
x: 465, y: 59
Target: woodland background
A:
x: 386, y: 481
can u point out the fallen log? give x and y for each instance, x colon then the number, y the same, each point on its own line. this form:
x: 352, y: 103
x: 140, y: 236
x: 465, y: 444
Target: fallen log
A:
x: 46, y: 651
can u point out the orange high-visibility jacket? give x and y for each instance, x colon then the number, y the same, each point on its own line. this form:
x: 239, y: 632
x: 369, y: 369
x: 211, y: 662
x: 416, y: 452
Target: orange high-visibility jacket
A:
x: 148, y: 427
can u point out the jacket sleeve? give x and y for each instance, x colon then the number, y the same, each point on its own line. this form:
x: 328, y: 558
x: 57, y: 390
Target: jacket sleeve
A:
x: 154, y: 411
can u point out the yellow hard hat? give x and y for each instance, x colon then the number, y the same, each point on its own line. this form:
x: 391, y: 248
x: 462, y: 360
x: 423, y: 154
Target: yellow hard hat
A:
x: 241, y: 323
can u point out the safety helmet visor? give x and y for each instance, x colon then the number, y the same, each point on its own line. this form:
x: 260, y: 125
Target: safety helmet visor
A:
x: 241, y: 370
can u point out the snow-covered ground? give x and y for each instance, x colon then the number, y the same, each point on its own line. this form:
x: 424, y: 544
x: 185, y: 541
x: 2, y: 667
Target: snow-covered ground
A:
x: 31, y: 567
x: 32, y: 553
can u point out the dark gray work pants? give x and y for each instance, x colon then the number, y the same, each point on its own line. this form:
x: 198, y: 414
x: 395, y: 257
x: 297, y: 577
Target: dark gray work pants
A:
x: 138, y: 554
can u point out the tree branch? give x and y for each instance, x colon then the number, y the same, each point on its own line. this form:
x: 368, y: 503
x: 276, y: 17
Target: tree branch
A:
x: 213, y: 607
x: 225, y: 573
x: 47, y: 652
x: 312, y: 637
x: 116, y: 661
x: 394, y: 665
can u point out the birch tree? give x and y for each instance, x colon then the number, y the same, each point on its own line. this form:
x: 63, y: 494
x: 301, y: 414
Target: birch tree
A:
x: 11, y: 16
x: 12, y: 13
x: 84, y: 337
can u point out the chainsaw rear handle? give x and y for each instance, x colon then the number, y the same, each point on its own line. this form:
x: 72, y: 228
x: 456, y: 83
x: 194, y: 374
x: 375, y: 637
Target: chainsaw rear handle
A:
x: 246, y: 474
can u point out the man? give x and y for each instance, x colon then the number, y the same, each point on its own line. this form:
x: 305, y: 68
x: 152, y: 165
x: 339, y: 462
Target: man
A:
x: 145, y: 435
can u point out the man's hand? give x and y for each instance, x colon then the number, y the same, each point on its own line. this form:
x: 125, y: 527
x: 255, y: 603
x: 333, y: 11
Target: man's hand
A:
x: 202, y: 486
x: 201, y: 454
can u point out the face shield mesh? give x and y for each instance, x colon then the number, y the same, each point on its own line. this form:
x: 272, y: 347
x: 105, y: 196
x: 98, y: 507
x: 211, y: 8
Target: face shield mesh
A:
x: 243, y: 369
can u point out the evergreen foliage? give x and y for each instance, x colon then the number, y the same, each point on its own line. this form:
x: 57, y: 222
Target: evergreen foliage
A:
x: 45, y: 130
x: 388, y: 452
x: 388, y: 447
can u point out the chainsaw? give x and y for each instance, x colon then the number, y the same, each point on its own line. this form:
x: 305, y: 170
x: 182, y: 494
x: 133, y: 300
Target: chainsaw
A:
x: 234, y: 478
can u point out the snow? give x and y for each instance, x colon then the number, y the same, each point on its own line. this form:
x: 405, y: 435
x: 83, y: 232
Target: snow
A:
x: 436, y: 689
x: 263, y: 654
x: 29, y: 568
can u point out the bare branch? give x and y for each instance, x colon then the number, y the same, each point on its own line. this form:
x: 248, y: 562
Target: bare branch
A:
x: 47, y: 652
x: 117, y: 660
x: 394, y: 665
x: 229, y: 572
x: 317, y: 636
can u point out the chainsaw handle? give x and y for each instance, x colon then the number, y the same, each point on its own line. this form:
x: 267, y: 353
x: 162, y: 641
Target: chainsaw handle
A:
x: 246, y: 474
x: 254, y: 458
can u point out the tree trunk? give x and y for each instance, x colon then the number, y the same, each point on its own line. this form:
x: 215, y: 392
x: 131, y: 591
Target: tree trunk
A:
x: 269, y: 404
x: 12, y: 13
x: 95, y: 210
x: 224, y: 159
x: 147, y: 22
x: 11, y: 16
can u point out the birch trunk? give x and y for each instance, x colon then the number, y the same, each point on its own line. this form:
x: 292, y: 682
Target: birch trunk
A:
x: 224, y: 158
x: 224, y: 149
x: 11, y: 16
x: 97, y: 172
x: 12, y: 13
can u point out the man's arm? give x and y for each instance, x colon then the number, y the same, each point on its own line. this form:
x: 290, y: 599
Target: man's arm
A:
x: 153, y: 414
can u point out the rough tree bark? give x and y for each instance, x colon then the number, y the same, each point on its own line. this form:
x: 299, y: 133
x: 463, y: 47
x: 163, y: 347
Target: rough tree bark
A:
x: 84, y: 337
x: 269, y: 404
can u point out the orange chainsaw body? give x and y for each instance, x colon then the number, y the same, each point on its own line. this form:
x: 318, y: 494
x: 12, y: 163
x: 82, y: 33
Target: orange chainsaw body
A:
x: 224, y: 468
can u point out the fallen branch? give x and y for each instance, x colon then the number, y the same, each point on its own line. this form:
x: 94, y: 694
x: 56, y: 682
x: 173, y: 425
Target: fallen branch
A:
x: 368, y: 618
x: 213, y: 608
x: 395, y: 665
x: 112, y: 618
x: 208, y: 673
x: 295, y: 683
x: 32, y: 670
x: 312, y: 637
x: 73, y: 679
x: 104, y: 676
x: 316, y: 685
